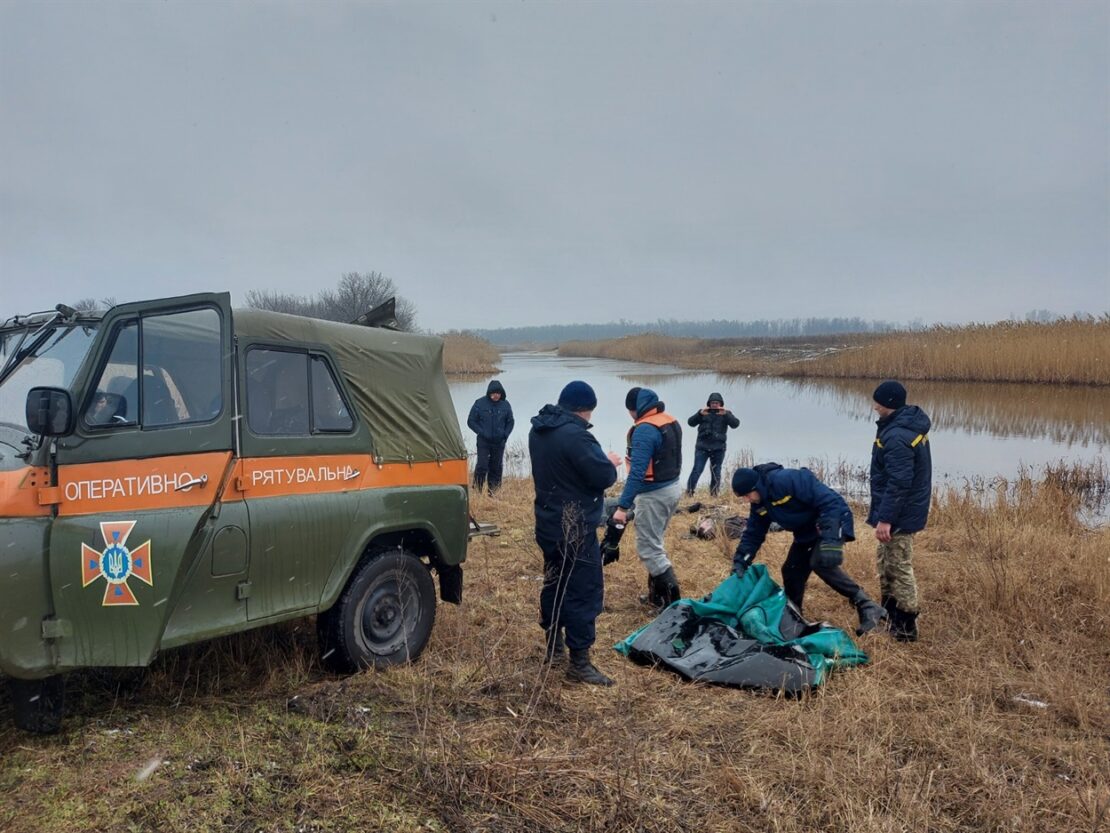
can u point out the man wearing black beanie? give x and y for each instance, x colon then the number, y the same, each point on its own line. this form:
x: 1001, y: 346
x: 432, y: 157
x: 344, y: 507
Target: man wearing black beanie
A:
x: 901, y: 491
x: 571, y: 474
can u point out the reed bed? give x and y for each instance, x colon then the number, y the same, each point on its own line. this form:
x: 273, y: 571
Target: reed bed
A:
x: 1066, y: 352
x: 998, y: 720
x: 1071, y: 352
x: 468, y: 354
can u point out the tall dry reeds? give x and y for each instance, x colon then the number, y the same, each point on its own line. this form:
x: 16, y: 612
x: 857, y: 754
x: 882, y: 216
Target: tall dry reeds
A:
x: 466, y: 353
x: 1073, y: 351
x: 997, y: 720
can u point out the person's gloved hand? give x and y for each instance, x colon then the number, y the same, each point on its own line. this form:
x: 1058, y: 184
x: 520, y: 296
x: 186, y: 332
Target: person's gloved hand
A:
x: 741, y: 561
x: 828, y: 554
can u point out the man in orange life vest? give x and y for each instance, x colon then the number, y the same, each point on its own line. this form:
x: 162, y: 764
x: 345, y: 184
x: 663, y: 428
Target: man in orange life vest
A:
x: 654, y: 465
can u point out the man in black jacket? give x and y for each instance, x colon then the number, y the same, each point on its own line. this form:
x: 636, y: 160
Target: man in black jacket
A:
x: 491, y: 419
x: 712, y: 422
x: 901, y: 491
x: 571, y: 474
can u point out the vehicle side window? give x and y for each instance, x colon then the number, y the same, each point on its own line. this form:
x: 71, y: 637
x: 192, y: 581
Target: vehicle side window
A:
x: 182, y: 357
x: 181, y: 380
x: 293, y: 393
x: 116, y: 397
x: 329, y: 411
x: 277, y: 392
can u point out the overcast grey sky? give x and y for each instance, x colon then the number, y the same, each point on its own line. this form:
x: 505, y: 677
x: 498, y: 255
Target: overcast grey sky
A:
x: 532, y: 162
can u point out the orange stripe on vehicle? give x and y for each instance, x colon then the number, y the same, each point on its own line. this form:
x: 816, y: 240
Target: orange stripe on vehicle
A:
x: 262, y: 477
x: 19, y: 492
x: 134, y: 485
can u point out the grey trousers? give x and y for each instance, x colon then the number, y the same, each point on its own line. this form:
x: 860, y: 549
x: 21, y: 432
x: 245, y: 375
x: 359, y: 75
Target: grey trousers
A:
x: 653, y: 512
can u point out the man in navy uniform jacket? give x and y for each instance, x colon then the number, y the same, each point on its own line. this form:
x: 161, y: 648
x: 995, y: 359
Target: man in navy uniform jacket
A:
x: 821, y: 522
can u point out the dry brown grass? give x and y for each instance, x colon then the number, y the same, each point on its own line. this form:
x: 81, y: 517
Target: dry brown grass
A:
x: 1074, y: 352
x: 945, y: 735
x: 465, y: 353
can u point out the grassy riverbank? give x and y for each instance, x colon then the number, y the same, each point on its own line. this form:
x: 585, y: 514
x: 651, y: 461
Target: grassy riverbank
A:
x: 1063, y: 352
x: 467, y: 354
x: 997, y: 721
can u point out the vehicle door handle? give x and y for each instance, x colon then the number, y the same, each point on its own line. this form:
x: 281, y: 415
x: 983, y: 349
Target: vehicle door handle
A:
x: 201, y: 481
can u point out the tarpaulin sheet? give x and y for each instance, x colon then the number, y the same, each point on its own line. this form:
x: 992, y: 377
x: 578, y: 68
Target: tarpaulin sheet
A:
x: 745, y: 633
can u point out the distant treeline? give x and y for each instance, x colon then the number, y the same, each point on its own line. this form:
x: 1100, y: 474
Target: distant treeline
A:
x: 721, y: 328
x: 717, y: 328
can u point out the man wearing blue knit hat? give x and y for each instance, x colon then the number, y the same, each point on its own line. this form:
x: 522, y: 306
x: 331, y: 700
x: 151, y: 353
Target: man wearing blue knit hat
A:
x: 571, y: 474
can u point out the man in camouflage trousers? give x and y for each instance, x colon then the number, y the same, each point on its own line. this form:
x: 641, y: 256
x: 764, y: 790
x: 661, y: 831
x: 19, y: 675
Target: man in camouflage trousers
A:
x: 901, y: 491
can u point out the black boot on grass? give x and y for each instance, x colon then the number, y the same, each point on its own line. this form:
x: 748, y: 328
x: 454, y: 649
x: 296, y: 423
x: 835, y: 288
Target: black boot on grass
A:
x: 581, y: 670
x: 871, y: 615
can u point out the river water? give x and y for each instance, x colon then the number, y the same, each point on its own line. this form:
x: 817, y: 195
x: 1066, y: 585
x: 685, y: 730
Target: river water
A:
x: 981, y: 432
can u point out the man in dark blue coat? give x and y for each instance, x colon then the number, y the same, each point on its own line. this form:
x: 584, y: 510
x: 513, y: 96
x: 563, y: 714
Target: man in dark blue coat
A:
x: 901, y: 491
x: 821, y: 522
x: 712, y: 422
x: 571, y: 474
x: 491, y: 419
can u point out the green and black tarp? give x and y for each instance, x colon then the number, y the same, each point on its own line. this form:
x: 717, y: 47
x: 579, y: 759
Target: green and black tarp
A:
x: 745, y: 633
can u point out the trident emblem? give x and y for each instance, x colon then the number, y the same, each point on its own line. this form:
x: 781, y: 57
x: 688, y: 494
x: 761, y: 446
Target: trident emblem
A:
x: 116, y: 563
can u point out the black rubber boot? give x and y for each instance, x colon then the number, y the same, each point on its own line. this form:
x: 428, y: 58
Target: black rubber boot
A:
x: 555, y: 650
x: 581, y: 670
x: 906, y: 628
x: 668, y: 587
x: 871, y: 615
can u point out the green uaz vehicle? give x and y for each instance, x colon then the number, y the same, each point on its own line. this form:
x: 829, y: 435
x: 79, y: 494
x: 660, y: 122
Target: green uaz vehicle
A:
x: 172, y: 471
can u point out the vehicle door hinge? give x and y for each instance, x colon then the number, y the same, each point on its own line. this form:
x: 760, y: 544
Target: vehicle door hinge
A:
x: 243, y: 590
x: 50, y: 495
x: 56, y: 628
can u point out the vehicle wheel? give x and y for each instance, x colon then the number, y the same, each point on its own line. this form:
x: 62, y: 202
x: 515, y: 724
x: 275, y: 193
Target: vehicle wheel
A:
x: 383, y: 617
x: 37, y: 705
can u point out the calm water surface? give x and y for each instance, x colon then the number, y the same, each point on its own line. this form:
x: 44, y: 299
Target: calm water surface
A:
x: 980, y: 431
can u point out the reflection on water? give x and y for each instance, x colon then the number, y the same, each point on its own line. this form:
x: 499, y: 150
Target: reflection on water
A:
x: 979, y: 430
x: 1063, y: 414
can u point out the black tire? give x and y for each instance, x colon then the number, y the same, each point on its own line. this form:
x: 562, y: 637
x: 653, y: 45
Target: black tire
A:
x: 383, y: 617
x: 38, y: 705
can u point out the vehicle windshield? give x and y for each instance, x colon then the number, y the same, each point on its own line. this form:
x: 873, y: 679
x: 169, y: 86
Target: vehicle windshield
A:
x: 52, y: 362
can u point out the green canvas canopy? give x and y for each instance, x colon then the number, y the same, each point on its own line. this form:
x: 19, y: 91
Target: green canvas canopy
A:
x: 395, y: 379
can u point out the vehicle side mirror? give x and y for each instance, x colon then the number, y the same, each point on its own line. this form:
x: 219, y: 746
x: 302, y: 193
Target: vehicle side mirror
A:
x: 50, y: 412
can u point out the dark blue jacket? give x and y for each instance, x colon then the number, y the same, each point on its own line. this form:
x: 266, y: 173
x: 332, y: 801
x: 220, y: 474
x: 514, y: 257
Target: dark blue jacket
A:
x: 799, y: 502
x: 712, y: 428
x: 901, y: 471
x: 492, y: 421
x: 570, y: 473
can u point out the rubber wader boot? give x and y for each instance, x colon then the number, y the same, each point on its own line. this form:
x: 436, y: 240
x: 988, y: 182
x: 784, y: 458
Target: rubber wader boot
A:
x: 905, y: 629
x: 581, y: 670
x: 662, y: 590
x: 891, y: 608
x: 871, y: 615
x: 555, y: 650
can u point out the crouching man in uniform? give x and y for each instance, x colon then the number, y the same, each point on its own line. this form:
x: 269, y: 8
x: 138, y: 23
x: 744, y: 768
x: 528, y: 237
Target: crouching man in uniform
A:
x: 571, y: 474
x: 821, y: 522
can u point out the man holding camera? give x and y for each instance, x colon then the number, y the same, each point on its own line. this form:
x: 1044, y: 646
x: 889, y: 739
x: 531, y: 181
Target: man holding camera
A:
x: 821, y: 522
x: 712, y: 422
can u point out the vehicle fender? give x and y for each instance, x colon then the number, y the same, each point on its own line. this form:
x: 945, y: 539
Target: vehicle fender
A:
x: 431, y: 521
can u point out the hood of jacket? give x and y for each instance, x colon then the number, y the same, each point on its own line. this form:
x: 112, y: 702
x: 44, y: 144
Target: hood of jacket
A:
x: 647, y: 401
x: 908, y: 417
x: 495, y: 387
x: 715, y: 397
x: 551, y: 417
